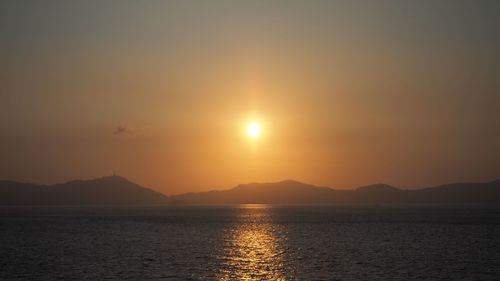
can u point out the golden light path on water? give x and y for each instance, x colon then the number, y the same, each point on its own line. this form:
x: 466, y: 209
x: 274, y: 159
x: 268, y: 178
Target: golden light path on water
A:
x: 255, y: 247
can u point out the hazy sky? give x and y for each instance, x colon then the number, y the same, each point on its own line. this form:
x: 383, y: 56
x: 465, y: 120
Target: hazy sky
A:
x: 348, y: 93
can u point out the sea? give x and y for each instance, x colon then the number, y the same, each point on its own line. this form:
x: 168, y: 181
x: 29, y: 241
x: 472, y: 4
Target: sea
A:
x: 248, y: 242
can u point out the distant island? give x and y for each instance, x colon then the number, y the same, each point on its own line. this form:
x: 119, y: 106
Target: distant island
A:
x: 111, y: 190
x: 293, y: 192
x: 116, y: 190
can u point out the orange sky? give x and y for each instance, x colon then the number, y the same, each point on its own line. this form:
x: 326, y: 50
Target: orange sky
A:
x: 346, y: 94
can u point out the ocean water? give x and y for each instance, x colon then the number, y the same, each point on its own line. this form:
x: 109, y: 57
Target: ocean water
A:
x: 249, y: 242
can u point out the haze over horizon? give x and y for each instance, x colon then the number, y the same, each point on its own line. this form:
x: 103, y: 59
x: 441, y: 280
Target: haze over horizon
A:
x: 191, y: 96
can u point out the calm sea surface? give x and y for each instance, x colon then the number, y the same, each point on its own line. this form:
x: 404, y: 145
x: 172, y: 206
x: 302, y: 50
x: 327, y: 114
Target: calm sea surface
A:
x: 251, y: 242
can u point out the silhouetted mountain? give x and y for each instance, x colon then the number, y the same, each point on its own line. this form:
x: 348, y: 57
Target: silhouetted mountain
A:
x: 112, y: 190
x: 117, y: 190
x: 380, y: 187
x: 284, y: 192
x: 293, y: 192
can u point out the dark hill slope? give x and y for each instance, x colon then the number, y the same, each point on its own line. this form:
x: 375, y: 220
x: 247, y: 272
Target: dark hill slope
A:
x: 113, y: 190
x: 293, y: 192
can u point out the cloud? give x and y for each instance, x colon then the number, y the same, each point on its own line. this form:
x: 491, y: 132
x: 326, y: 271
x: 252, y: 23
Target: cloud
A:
x: 123, y: 130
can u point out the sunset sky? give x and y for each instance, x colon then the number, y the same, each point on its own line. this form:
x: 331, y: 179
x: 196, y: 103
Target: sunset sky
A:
x: 346, y: 93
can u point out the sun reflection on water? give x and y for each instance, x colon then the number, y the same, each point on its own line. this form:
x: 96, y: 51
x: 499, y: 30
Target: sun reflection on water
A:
x: 254, y: 247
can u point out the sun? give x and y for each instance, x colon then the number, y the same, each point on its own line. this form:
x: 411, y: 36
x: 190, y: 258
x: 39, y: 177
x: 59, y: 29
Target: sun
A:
x: 253, y: 130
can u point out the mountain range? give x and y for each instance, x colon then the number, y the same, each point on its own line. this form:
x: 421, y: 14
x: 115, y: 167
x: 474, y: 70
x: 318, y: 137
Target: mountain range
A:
x: 293, y: 192
x: 112, y: 190
x: 116, y: 190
